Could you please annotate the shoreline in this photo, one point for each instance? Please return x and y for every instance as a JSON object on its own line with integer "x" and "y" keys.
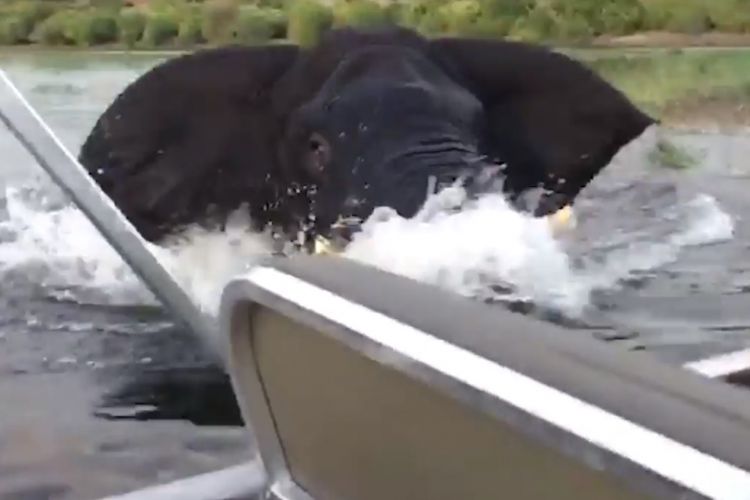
{"x": 113, "y": 50}
{"x": 715, "y": 103}
{"x": 718, "y": 113}
{"x": 643, "y": 41}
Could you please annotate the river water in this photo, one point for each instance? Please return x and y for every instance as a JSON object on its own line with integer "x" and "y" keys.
{"x": 100, "y": 392}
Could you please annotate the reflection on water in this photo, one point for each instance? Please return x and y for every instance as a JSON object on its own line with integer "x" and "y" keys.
{"x": 69, "y": 89}
{"x": 139, "y": 360}
{"x": 202, "y": 396}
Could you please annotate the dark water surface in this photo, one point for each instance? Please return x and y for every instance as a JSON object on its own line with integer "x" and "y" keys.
{"x": 96, "y": 397}
{"x": 100, "y": 393}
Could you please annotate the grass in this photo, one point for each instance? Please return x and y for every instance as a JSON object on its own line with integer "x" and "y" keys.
{"x": 655, "y": 79}
{"x": 658, "y": 79}
{"x": 667, "y": 154}
{"x": 214, "y": 21}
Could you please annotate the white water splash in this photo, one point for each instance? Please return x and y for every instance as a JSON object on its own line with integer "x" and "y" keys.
{"x": 203, "y": 261}
{"x": 473, "y": 250}
{"x": 483, "y": 249}
{"x": 60, "y": 248}
{"x": 700, "y": 221}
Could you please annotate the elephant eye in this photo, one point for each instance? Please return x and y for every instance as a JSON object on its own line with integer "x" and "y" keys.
{"x": 318, "y": 153}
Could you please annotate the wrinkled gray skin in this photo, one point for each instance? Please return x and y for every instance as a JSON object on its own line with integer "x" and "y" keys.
{"x": 391, "y": 119}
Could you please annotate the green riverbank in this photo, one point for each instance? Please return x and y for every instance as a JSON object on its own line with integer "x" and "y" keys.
{"x": 678, "y": 86}
{"x": 189, "y": 23}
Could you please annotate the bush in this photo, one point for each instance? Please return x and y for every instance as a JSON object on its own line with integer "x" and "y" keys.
{"x": 361, "y": 13}
{"x": 667, "y": 154}
{"x": 536, "y": 26}
{"x": 431, "y": 23}
{"x": 271, "y": 4}
{"x": 160, "y": 29}
{"x": 253, "y": 25}
{"x": 308, "y": 20}
{"x": 55, "y": 30}
{"x": 304, "y": 21}
{"x": 29, "y": 14}
{"x": 130, "y": 26}
{"x": 729, "y": 15}
{"x": 573, "y": 28}
{"x": 267, "y": 22}
{"x": 170, "y": 7}
{"x": 422, "y": 16}
{"x": 489, "y": 27}
{"x": 18, "y": 20}
{"x": 409, "y": 14}
{"x": 92, "y": 28}
{"x": 112, "y": 6}
{"x": 682, "y": 16}
{"x": 189, "y": 31}
{"x": 621, "y": 18}
{"x": 460, "y": 16}
{"x": 589, "y": 10}
{"x": 11, "y": 31}
{"x": 278, "y": 20}
{"x": 219, "y": 19}
{"x": 506, "y": 9}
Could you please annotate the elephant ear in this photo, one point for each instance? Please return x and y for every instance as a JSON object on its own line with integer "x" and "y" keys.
{"x": 553, "y": 121}
{"x": 191, "y": 135}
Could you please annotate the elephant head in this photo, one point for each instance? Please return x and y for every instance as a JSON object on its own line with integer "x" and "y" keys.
{"x": 308, "y": 137}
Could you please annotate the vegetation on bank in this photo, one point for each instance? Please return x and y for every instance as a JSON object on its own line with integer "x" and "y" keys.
{"x": 667, "y": 154}
{"x": 658, "y": 80}
{"x": 189, "y": 23}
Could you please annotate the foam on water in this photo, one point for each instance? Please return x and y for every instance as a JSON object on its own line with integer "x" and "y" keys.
{"x": 480, "y": 248}
{"x": 700, "y": 221}
{"x": 59, "y": 248}
{"x": 204, "y": 261}
{"x": 487, "y": 250}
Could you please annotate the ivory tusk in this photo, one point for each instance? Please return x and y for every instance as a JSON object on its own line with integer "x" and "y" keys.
{"x": 558, "y": 221}
{"x": 323, "y": 247}
{"x": 562, "y": 219}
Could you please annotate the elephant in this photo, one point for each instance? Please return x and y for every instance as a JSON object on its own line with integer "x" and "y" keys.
{"x": 308, "y": 137}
